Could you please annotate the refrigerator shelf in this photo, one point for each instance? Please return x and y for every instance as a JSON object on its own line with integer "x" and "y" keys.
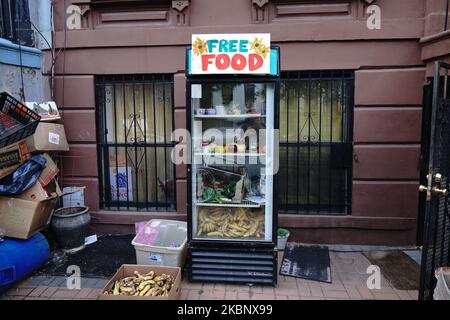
{"x": 230, "y": 116}
{"x": 229, "y": 239}
{"x": 236, "y": 154}
{"x": 244, "y": 204}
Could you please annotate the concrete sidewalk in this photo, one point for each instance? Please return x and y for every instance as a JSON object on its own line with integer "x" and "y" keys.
{"x": 349, "y": 279}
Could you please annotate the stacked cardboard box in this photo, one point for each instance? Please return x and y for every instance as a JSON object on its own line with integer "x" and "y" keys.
{"x": 24, "y": 214}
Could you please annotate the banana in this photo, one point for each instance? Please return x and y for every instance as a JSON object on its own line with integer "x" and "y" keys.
{"x": 145, "y": 290}
{"x": 116, "y": 290}
{"x": 151, "y": 274}
{"x": 236, "y": 227}
{"x": 215, "y": 234}
{"x": 235, "y": 234}
{"x": 202, "y": 214}
{"x": 153, "y": 292}
{"x": 127, "y": 290}
{"x": 252, "y": 229}
{"x": 143, "y": 285}
{"x": 233, "y": 223}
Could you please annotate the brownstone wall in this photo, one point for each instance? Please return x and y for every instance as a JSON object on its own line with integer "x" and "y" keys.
{"x": 389, "y": 75}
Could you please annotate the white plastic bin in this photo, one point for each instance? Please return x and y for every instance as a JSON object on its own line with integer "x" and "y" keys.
{"x": 442, "y": 290}
{"x": 161, "y": 242}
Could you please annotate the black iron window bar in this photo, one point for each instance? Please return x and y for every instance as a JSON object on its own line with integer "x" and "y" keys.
{"x": 316, "y": 133}
{"x": 135, "y": 118}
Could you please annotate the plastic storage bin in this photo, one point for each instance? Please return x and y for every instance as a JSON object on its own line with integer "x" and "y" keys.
{"x": 442, "y": 290}
{"x": 17, "y": 122}
{"x": 161, "y": 242}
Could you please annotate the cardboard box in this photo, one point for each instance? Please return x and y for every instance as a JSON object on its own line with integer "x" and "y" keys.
{"x": 25, "y": 214}
{"x": 49, "y": 137}
{"x": 35, "y": 193}
{"x": 127, "y": 270}
{"x": 46, "y": 184}
{"x": 39, "y": 192}
{"x": 12, "y": 156}
{"x": 29, "y": 212}
{"x": 22, "y": 219}
{"x": 50, "y": 171}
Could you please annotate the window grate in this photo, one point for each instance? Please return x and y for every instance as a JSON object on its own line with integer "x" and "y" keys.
{"x": 135, "y": 118}
{"x": 15, "y": 22}
{"x": 316, "y": 121}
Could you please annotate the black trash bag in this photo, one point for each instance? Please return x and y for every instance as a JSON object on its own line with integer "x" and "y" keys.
{"x": 24, "y": 177}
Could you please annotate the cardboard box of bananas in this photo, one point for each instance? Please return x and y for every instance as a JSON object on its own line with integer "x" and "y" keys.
{"x": 138, "y": 282}
{"x": 219, "y": 222}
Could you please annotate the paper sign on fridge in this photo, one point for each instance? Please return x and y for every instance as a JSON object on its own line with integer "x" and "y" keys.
{"x": 230, "y": 53}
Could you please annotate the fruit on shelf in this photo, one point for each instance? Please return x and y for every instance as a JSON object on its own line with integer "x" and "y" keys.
{"x": 212, "y": 148}
{"x": 241, "y": 148}
{"x": 230, "y": 223}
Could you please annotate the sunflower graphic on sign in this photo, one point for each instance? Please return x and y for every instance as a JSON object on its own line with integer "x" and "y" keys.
{"x": 200, "y": 46}
{"x": 263, "y": 50}
{"x": 257, "y": 44}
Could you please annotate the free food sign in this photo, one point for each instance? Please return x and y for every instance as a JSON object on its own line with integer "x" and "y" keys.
{"x": 230, "y": 54}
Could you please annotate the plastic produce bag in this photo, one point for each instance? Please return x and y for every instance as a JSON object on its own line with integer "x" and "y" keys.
{"x": 24, "y": 177}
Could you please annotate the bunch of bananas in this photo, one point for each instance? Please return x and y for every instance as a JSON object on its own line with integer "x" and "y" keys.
{"x": 147, "y": 285}
{"x": 230, "y": 223}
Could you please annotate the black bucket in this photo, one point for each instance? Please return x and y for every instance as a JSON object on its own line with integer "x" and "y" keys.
{"x": 70, "y": 225}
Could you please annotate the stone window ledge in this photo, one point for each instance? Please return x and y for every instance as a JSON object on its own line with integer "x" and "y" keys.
{"x": 11, "y": 53}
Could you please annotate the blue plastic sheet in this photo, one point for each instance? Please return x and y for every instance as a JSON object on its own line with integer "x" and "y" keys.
{"x": 24, "y": 177}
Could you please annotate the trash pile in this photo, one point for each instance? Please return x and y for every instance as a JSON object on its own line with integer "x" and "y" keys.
{"x": 29, "y": 190}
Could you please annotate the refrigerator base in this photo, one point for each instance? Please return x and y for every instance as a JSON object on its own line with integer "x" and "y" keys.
{"x": 233, "y": 265}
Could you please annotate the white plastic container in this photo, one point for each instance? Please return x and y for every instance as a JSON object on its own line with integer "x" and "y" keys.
{"x": 442, "y": 290}
{"x": 282, "y": 241}
{"x": 162, "y": 242}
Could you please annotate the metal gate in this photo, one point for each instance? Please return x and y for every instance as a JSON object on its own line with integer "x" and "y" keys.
{"x": 436, "y": 237}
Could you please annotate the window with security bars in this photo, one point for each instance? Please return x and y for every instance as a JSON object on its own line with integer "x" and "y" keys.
{"x": 135, "y": 122}
{"x": 15, "y": 24}
{"x": 316, "y": 120}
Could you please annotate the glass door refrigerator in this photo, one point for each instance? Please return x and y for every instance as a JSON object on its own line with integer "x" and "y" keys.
{"x": 232, "y": 214}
